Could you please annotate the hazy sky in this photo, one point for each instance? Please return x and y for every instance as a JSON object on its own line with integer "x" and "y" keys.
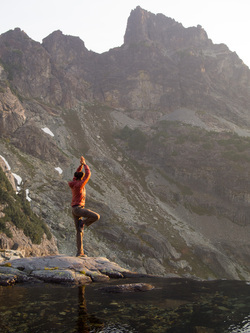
{"x": 101, "y": 24}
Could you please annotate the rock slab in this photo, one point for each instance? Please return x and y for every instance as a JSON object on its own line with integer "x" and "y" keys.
{"x": 61, "y": 269}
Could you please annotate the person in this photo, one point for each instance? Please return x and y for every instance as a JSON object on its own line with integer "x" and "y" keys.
{"x": 82, "y": 216}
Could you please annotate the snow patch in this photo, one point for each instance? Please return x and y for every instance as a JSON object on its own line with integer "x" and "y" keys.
{"x": 59, "y": 170}
{"x": 27, "y": 195}
{"x": 7, "y": 164}
{"x": 18, "y": 180}
{"x": 48, "y": 131}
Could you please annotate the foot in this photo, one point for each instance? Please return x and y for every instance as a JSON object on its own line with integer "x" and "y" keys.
{"x": 81, "y": 255}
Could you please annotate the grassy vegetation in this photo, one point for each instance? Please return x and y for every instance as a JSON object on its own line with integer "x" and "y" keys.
{"x": 230, "y": 146}
{"x": 235, "y": 157}
{"x": 235, "y": 142}
{"x": 135, "y": 139}
{"x": 235, "y": 148}
{"x": 18, "y": 211}
{"x": 184, "y": 189}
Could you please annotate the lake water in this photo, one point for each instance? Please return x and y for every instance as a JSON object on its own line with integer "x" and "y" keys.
{"x": 174, "y": 305}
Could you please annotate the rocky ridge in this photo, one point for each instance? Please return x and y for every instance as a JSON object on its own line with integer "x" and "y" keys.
{"x": 163, "y": 122}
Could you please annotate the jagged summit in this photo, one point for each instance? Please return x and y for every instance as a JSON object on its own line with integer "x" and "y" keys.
{"x": 58, "y": 39}
{"x": 145, "y": 26}
{"x": 64, "y": 49}
{"x": 16, "y": 33}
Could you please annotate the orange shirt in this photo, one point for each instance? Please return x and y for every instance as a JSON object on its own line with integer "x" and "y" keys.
{"x": 78, "y": 187}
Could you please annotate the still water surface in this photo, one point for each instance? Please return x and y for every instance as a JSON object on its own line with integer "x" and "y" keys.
{"x": 175, "y": 305}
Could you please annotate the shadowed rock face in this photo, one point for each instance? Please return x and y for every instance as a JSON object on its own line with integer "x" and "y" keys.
{"x": 163, "y": 122}
{"x": 27, "y": 63}
{"x": 11, "y": 110}
{"x": 36, "y": 143}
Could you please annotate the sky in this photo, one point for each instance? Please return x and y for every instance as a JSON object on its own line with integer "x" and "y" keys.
{"x": 101, "y": 24}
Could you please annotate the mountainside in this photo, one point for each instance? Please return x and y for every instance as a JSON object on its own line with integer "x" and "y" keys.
{"x": 163, "y": 122}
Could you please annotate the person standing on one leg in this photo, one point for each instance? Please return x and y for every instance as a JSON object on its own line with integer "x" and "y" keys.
{"x": 79, "y": 211}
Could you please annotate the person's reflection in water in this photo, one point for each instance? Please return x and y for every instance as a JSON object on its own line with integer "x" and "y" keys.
{"x": 85, "y": 321}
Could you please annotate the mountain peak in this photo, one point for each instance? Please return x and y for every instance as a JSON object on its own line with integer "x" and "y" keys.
{"x": 146, "y": 26}
{"x": 16, "y": 36}
{"x": 64, "y": 48}
{"x": 58, "y": 38}
{"x": 143, "y": 25}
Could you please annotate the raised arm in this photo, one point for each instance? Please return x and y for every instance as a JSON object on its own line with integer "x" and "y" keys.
{"x": 82, "y": 160}
{"x": 82, "y": 163}
{"x": 87, "y": 171}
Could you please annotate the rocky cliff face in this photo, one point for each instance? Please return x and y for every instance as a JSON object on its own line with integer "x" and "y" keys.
{"x": 163, "y": 122}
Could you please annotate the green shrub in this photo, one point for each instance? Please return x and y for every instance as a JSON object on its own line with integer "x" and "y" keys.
{"x": 18, "y": 211}
{"x": 4, "y": 229}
